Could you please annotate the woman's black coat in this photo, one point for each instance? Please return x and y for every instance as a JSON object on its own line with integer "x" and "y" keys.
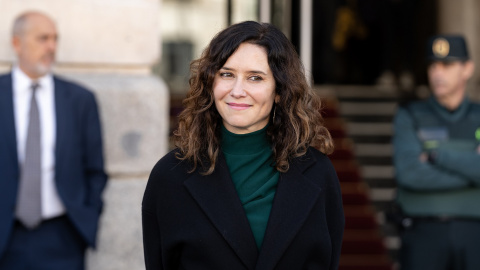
{"x": 192, "y": 221}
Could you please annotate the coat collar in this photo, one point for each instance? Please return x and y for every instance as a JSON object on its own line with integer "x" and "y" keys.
{"x": 294, "y": 199}
{"x": 218, "y": 198}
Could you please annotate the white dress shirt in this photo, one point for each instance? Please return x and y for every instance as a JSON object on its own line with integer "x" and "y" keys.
{"x": 52, "y": 206}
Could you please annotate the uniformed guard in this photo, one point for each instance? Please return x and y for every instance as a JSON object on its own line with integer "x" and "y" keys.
{"x": 437, "y": 165}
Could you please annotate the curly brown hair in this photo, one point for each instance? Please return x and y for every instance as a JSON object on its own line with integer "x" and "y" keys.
{"x": 295, "y": 120}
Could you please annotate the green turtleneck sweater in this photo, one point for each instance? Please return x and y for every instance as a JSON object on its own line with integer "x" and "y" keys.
{"x": 249, "y": 158}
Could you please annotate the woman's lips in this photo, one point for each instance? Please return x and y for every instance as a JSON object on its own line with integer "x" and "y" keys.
{"x": 239, "y": 106}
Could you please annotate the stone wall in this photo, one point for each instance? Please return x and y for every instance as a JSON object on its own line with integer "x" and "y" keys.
{"x": 461, "y": 17}
{"x": 109, "y": 46}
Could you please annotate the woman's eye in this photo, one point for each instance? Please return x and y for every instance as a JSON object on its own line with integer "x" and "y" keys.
{"x": 256, "y": 78}
{"x": 226, "y": 74}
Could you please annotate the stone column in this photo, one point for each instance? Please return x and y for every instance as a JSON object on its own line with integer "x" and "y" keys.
{"x": 306, "y": 37}
{"x": 109, "y": 46}
{"x": 461, "y": 16}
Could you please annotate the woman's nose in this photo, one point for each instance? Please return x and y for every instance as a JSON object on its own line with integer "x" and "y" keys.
{"x": 238, "y": 89}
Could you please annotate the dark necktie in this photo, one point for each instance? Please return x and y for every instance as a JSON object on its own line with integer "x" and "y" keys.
{"x": 29, "y": 204}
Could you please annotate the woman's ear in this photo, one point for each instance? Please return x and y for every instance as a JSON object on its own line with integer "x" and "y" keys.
{"x": 277, "y": 98}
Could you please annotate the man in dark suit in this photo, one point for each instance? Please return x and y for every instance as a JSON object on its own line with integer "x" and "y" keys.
{"x": 51, "y": 161}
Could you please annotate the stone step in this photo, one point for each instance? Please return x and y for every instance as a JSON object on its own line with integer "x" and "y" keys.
{"x": 358, "y": 118}
{"x": 356, "y": 91}
{"x": 392, "y": 242}
{"x": 373, "y": 149}
{"x": 366, "y": 115}
{"x": 368, "y": 108}
{"x": 380, "y": 160}
{"x": 377, "y": 171}
{"x": 369, "y": 129}
{"x": 364, "y": 262}
{"x": 382, "y": 139}
{"x": 382, "y": 194}
{"x": 380, "y": 182}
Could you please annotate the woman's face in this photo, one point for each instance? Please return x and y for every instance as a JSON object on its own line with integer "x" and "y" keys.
{"x": 244, "y": 90}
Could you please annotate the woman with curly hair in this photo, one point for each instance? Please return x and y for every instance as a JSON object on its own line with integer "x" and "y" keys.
{"x": 249, "y": 185}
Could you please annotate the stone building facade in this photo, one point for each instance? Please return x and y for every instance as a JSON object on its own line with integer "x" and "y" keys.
{"x": 462, "y": 17}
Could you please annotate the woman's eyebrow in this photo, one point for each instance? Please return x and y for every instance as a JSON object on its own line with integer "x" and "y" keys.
{"x": 249, "y": 71}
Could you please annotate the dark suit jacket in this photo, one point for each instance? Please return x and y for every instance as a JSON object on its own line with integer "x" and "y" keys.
{"x": 192, "y": 221}
{"x": 79, "y": 173}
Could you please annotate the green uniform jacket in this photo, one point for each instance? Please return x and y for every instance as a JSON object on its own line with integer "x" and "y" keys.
{"x": 450, "y": 186}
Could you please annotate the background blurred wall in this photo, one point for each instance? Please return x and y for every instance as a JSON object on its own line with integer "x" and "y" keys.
{"x": 109, "y": 46}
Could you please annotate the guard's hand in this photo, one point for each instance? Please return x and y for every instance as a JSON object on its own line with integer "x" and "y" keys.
{"x": 423, "y": 157}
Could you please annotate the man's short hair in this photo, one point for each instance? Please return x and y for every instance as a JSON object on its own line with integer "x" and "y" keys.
{"x": 19, "y": 24}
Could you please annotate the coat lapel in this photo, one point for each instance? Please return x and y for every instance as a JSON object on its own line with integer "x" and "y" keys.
{"x": 218, "y": 198}
{"x": 7, "y": 118}
{"x": 294, "y": 199}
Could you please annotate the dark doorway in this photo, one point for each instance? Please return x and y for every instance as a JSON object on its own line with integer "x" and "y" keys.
{"x": 358, "y": 41}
